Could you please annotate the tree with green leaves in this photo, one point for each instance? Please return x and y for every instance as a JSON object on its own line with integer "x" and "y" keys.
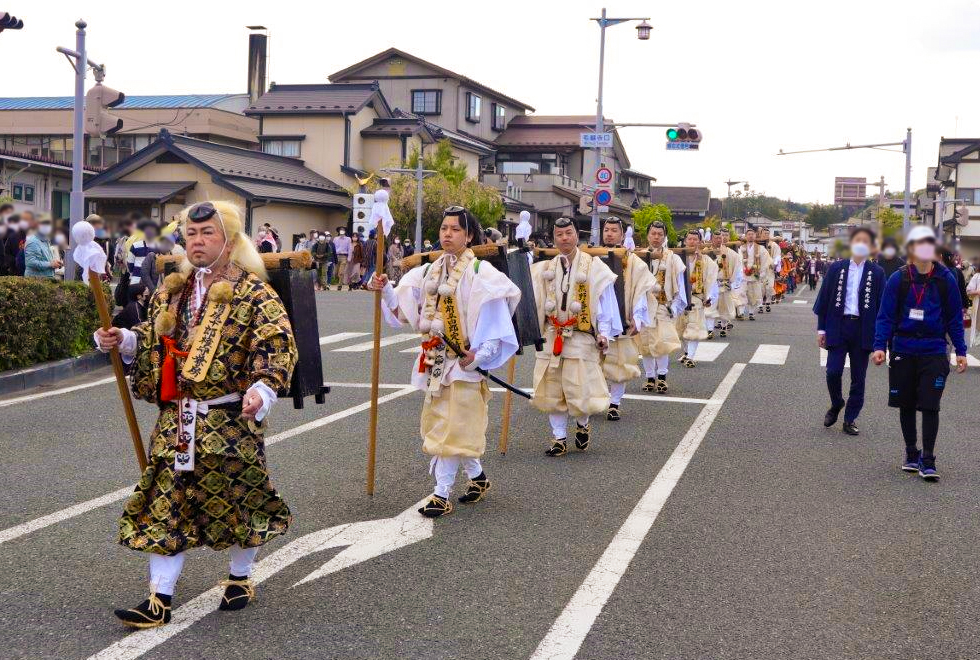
{"x": 449, "y": 187}
{"x": 644, "y": 216}
{"x": 890, "y": 220}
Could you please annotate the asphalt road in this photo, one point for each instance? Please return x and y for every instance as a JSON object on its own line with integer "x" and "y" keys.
{"x": 758, "y": 532}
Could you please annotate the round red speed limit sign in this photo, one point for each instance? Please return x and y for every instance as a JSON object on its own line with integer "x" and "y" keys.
{"x": 603, "y": 175}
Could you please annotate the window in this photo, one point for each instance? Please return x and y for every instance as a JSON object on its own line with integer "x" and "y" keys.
{"x": 281, "y": 147}
{"x": 23, "y": 193}
{"x": 19, "y": 192}
{"x": 473, "y": 105}
{"x": 426, "y": 101}
{"x": 499, "y": 117}
{"x": 972, "y": 195}
{"x": 28, "y": 194}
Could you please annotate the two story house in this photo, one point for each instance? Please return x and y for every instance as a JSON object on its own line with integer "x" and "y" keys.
{"x": 962, "y": 155}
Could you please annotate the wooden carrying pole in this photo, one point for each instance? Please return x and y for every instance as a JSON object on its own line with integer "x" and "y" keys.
{"x": 95, "y": 283}
{"x": 375, "y": 362}
{"x": 508, "y": 400}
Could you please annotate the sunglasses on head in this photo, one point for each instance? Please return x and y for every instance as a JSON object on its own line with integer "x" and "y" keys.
{"x": 201, "y": 212}
{"x": 453, "y": 210}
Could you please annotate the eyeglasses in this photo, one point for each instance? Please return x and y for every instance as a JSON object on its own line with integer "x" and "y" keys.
{"x": 201, "y": 212}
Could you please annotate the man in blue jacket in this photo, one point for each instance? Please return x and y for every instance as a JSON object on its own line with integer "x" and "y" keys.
{"x": 846, "y": 308}
{"x": 920, "y": 309}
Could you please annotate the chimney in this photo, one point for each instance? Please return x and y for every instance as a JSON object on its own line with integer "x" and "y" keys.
{"x": 258, "y": 44}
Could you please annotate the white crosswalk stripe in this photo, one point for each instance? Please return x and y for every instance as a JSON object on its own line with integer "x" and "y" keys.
{"x": 800, "y": 302}
{"x": 369, "y": 345}
{"x": 770, "y": 354}
{"x": 823, "y": 359}
{"x": 708, "y": 351}
{"x": 340, "y": 336}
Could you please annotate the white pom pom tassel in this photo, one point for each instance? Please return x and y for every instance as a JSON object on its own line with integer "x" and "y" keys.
{"x": 438, "y": 326}
{"x": 431, "y": 287}
{"x": 425, "y": 325}
{"x": 549, "y": 306}
{"x": 580, "y": 278}
{"x": 575, "y": 307}
{"x": 548, "y": 275}
{"x": 445, "y": 290}
{"x": 656, "y": 288}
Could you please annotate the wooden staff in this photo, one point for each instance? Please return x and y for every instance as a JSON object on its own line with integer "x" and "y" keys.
{"x": 376, "y": 362}
{"x": 508, "y": 399}
{"x": 95, "y": 283}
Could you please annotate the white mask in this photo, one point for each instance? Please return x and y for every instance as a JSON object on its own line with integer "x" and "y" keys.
{"x": 60, "y": 240}
{"x": 924, "y": 251}
{"x": 342, "y": 232}
{"x": 261, "y": 234}
{"x": 888, "y": 253}
{"x": 44, "y": 230}
{"x": 23, "y": 224}
{"x": 322, "y": 239}
{"x": 860, "y": 250}
{"x": 3, "y": 230}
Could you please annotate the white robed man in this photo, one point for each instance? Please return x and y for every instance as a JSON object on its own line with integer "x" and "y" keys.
{"x": 578, "y": 315}
{"x": 666, "y": 299}
{"x": 756, "y": 262}
{"x": 730, "y": 281}
{"x": 621, "y": 362}
{"x": 701, "y": 282}
{"x": 470, "y": 303}
{"x": 775, "y": 261}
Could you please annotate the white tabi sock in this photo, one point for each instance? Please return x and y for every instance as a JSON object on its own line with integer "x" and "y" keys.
{"x": 663, "y": 362}
{"x": 164, "y": 572}
{"x": 709, "y": 324}
{"x": 444, "y": 469}
{"x": 242, "y": 560}
{"x": 650, "y": 366}
{"x": 616, "y": 391}
{"x": 559, "y": 425}
{"x": 692, "y": 348}
{"x": 582, "y": 421}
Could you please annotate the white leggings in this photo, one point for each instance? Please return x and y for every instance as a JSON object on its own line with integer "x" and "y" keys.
{"x": 692, "y": 348}
{"x": 444, "y": 468}
{"x": 559, "y": 424}
{"x": 164, "y": 571}
{"x": 656, "y": 366}
{"x": 616, "y": 391}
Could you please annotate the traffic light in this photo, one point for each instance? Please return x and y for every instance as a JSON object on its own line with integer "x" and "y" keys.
{"x": 98, "y": 122}
{"x": 9, "y": 22}
{"x": 683, "y": 132}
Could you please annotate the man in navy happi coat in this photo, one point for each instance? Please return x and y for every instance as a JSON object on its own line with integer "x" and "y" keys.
{"x": 846, "y": 308}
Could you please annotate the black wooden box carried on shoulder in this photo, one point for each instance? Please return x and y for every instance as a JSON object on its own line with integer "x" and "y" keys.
{"x": 295, "y": 288}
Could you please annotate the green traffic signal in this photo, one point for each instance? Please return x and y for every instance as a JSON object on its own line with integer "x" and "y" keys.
{"x": 671, "y": 134}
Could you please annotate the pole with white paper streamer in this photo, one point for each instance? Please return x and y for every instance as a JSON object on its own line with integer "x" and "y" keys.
{"x": 92, "y": 260}
{"x": 383, "y": 222}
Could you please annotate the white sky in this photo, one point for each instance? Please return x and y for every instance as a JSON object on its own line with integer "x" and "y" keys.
{"x": 755, "y": 75}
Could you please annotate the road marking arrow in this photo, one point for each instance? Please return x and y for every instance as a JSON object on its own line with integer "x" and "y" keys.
{"x": 366, "y": 540}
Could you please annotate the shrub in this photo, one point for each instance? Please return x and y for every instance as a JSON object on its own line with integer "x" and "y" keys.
{"x": 43, "y": 320}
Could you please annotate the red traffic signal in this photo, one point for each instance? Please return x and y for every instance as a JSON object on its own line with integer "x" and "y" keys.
{"x": 9, "y": 22}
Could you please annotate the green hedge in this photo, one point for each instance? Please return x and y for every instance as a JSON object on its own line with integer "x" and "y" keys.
{"x": 42, "y": 320}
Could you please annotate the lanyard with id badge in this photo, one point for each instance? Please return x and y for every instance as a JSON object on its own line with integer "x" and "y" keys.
{"x": 917, "y": 313}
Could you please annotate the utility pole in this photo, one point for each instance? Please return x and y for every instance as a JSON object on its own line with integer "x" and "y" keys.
{"x": 77, "y": 200}
{"x": 420, "y": 175}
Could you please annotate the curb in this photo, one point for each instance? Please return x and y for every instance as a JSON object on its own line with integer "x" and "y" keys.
{"x": 48, "y": 373}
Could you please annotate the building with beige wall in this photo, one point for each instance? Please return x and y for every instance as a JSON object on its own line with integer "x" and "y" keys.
{"x": 42, "y": 126}
{"x": 175, "y": 171}
{"x": 962, "y": 155}
{"x": 445, "y": 98}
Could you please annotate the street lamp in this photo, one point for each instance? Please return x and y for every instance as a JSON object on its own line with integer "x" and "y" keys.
{"x": 643, "y": 34}
{"x": 731, "y": 183}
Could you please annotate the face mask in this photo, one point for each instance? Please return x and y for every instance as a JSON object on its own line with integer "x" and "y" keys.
{"x": 888, "y": 253}
{"x": 44, "y": 230}
{"x": 3, "y": 230}
{"x": 860, "y": 250}
{"x": 322, "y": 239}
{"x": 261, "y": 234}
{"x": 924, "y": 251}
{"x": 100, "y": 233}
{"x": 342, "y": 232}
{"x": 60, "y": 240}
{"x": 23, "y": 225}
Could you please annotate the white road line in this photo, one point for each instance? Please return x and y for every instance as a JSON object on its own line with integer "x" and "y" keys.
{"x": 369, "y": 345}
{"x": 970, "y": 360}
{"x": 800, "y": 302}
{"x": 770, "y": 354}
{"x": 109, "y": 498}
{"x": 340, "y": 336}
{"x": 823, "y": 359}
{"x": 572, "y": 626}
{"x": 709, "y": 351}
{"x": 63, "y": 390}
{"x": 413, "y": 349}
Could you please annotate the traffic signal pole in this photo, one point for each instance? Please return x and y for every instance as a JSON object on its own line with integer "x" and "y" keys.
{"x": 77, "y": 200}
